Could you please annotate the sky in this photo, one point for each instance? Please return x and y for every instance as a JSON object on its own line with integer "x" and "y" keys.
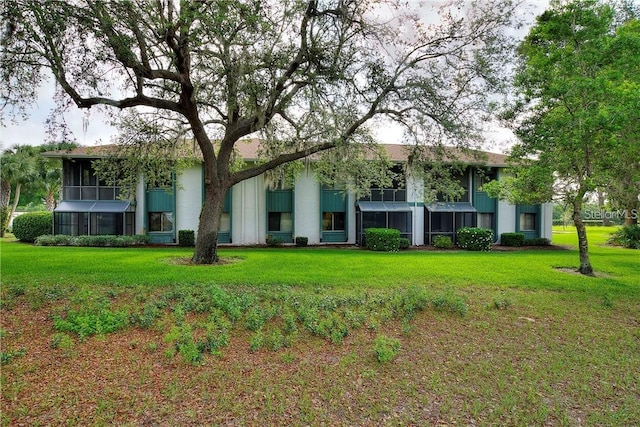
{"x": 91, "y": 128}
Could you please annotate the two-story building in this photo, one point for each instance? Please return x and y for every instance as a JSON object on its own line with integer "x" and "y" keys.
{"x": 252, "y": 211}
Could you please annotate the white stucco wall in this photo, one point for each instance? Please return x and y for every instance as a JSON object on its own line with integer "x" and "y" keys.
{"x": 506, "y": 218}
{"x": 248, "y": 212}
{"x": 415, "y": 198}
{"x": 188, "y": 199}
{"x": 307, "y": 207}
{"x": 546, "y": 222}
{"x": 140, "y": 207}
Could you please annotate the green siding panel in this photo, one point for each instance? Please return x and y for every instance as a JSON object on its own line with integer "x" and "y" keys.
{"x": 159, "y": 237}
{"x": 226, "y": 207}
{"x": 159, "y": 200}
{"x": 279, "y": 201}
{"x": 484, "y": 203}
{"x": 334, "y": 201}
{"x": 334, "y": 236}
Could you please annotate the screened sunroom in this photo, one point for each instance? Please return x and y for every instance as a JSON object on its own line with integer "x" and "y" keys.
{"x": 445, "y": 219}
{"x": 396, "y": 215}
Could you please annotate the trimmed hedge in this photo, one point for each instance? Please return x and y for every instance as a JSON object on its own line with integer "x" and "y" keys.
{"x": 475, "y": 239}
{"x": 404, "y": 243}
{"x": 186, "y": 238}
{"x": 538, "y": 241}
{"x": 27, "y": 227}
{"x": 442, "y": 242}
{"x": 512, "y": 239}
{"x": 274, "y": 241}
{"x": 382, "y": 239}
{"x": 95, "y": 241}
{"x": 302, "y": 241}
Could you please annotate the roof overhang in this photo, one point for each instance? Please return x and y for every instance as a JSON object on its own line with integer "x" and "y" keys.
{"x": 103, "y": 206}
{"x": 451, "y": 207}
{"x": 366, "y": 206}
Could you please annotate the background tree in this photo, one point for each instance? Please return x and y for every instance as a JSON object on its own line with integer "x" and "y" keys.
{"x": 579, "y": 95}
{"x": 305, "y": 76}
{"x": 17, "y": 168}
{"x": 623, "y": 186}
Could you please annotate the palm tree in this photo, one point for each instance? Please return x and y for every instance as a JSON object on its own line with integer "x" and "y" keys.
{"x": 17, "y": 168}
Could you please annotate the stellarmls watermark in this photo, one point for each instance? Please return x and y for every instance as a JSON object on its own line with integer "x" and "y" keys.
{"x": 619, "y": 214}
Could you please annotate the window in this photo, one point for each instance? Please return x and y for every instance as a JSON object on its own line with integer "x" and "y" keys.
{"x": 485, "y": 220}
{"x": 225, "y": 223}
{"x": 442, "y": 222}
{"x": 333, "y": 221}
{"x": 527, "y": 221}
{"x": 160, "y": 221}
{"x": 281, "y": 221}
{"x": 484, "y": 177}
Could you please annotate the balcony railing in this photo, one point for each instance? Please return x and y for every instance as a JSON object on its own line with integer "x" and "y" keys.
{"x": 79, "y": 192}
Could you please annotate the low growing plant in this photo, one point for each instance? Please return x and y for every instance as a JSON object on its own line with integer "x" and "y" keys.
{"x": 385, "y": 348}
{"x": 274, "y": 241}
{"x": 442, "y": 242}
{"x": 627, "y": 236}
{"x": 302, "y": 241}
{"x": 87, "y": 323}
{"x": 404, "y": 243}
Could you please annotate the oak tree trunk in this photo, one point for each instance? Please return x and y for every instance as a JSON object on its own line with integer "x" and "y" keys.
{"x": 206, "y": 250}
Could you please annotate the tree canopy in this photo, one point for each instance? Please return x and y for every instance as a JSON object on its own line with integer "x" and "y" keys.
{"x": 578, "y": 122}
{"x": 305, "y": 76}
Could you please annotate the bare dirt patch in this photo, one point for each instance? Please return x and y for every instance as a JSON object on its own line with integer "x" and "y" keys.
{"x": 573, "y": 270}
{"x": 187, "y": 261}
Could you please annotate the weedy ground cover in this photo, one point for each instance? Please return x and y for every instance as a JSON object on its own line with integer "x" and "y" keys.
{"x": 320, "y": 336}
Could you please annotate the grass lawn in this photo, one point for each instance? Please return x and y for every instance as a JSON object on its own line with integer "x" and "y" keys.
{"x": 282, "y": 336}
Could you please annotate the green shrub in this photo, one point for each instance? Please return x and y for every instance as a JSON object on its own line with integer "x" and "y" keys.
{"x": 27, "y": 227}
{"x": 512, "y": 239}
{"x": 475, "y": 239}
{"x": 537, "y": 241}
{"x": 8, "y": 356}
{"x": 386, "y": 348}
{"x": 86, "y": 323}
{"x": 96, "y": 241}
{"x": 186, "y": 238}
{"x": 302, "y": 241}
{"x": 382, "y": 239}
{"x": 274, "y": 241}
{"x": 627, "y": 236}
{"x": 442, "y": 242}
{"x": 404, "y": 243}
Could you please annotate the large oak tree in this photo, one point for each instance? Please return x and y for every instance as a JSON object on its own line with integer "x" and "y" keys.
{"x": 304, "y": 76}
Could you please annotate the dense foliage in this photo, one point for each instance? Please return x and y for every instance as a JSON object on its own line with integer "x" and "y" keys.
{"x": 382, "y": 239}
{"x": 627, "y": 236}
{"x": 475, "y": 239}
{"x": 577, "y": 114}
{"x": 442, "y": 242}
{"x": 186, "y": 237}
{"x": 512, "y": 239}
{"x": 27, "y": 227}
{"x": 96, "y": 241}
